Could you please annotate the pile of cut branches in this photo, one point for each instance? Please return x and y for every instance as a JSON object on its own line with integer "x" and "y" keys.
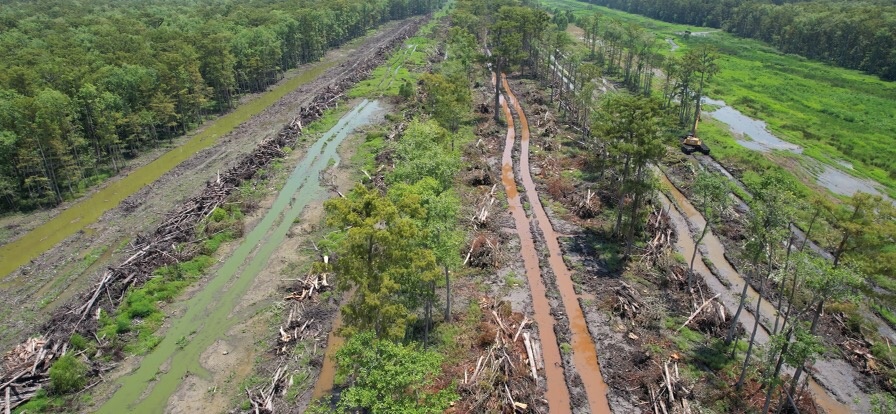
{"x": 164, "y": 245}
{"x": 504, "y": 377}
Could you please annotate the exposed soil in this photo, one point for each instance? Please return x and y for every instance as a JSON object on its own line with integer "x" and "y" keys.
{"x": 832, "y": 370}
{"x": 47, "y": 281}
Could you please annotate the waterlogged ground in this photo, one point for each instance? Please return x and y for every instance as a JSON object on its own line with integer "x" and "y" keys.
{"x": 208, "y": 315}
{"x": 754, "y": 135}
{"x": 36, "y": 289}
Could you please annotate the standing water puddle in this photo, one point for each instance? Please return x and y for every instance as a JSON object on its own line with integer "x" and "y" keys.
{"x": 584, "y": 352}
{"x": 729, "y": 295}
{"x": 754, "y": 134}
{"x": 208, "y": 313}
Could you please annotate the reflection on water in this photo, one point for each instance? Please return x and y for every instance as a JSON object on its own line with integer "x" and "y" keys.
{"x": 753, "y": 134}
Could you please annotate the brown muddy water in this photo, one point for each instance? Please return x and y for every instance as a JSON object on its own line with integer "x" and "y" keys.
{"x": 715, "y": 252}
{"x": 557, "y": 394}
{"x": 327, "y": 377}
{"x": 584, "y": 352}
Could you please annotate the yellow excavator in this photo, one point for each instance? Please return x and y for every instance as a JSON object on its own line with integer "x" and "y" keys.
{"x": 691, "y": 143}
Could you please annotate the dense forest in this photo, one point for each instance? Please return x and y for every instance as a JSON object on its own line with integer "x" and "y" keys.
{"x": 853, "y": 34}
{"x": 87, "y": 85}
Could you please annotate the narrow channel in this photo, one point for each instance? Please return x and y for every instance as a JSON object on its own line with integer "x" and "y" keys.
{"x": 728, "y": 295}
{"x": 88, "y": 210}
{"x": 208, "y": 313}
{"x": 584, "y": 352}
{"x": 557, "y": 394}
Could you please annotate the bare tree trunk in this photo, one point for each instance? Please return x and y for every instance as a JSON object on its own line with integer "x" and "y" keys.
{"x": 740, "y": 308}
{"x": 447, "y": 296}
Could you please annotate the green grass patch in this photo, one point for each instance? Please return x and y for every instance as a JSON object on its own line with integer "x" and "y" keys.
{"x": 834, "y": 113}
{"x": 387, "y": 79}
{"x": 134, "y": 323}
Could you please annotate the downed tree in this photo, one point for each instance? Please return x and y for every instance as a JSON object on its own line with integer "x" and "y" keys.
{"x": 504, "y": 376}
{"x": 164, "y": 245}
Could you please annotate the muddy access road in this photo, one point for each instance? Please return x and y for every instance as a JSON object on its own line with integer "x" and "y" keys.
{"x": 33, "y": 291}
{"x": 833, "y": 386}
{"x": 584, "y": 361}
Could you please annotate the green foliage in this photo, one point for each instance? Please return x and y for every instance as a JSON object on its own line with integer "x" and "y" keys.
{"x": 78, "y": 342}
{"x": 42, "y": 402}
{"x": 883, "y": 403}
{"x": 423, "y": 151}
{"x": 448, "y": 99}
{"x": 85, "y": 87}
{"x": 385, "y": 377}
{"x": 68, "y": 374}
{"x": 382, "y": 258}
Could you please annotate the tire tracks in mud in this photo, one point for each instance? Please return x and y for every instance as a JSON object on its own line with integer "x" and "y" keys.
{"x": 831, "y": 381}
{"x": 585, "y": 367}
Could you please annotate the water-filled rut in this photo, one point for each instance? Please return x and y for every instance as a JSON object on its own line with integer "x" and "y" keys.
{"x": 831, "y": 369}
{"x": 208, "y": 313}
{"x": 557, "y": 394}
{"x": 583, "y": 350}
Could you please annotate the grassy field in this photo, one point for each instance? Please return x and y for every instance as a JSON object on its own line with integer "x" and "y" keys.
{"x": 834, "y": 113}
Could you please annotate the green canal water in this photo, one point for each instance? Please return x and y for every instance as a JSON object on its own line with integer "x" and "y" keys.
{"x": 208, "y": 313}
{"x": 87, "y": 211}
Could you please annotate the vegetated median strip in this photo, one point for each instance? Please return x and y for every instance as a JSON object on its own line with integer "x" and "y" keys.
{"x": 682, "y": 214}
{"x": 584, "y": 351}
{"x": 557, "y": 394}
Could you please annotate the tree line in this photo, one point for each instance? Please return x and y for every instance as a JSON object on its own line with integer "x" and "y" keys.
{"x": 86, "y": 86}
{"x": 852, "y": 34}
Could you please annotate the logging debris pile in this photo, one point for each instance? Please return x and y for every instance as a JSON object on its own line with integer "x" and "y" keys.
{"x": 480, "y": 218}
{"x": 484, "y": 252}
{"x": 659, "y": 226}
{"x": 162, "y": 247}
{"x": 588, "y": 205}
{"x": 504, "y": 377}
{"x": 309, "y": 287}
{"x": 478, "y": 175}
{"x": 670, "y": 395}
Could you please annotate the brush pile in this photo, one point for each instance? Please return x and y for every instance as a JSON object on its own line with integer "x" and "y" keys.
{"x": 165, "y": 245}
{"x": 504, "y": 377}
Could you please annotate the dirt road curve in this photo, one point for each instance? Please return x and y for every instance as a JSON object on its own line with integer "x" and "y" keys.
{"x": 56, "y": 275}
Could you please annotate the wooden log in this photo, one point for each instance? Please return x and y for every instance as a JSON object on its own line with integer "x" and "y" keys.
{"x": 530, "y": 355}
{"x": 669, "y": 382}
{"x": 696, "y": 312}
{"x": 522, "y": 324}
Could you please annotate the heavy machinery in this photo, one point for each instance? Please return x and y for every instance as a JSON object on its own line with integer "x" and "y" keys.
{"x": 692, "y": 143}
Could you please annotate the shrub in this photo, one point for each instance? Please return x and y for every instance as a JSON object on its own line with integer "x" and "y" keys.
{"x": 78, "y": 342}
{"x": 68, "y": 374}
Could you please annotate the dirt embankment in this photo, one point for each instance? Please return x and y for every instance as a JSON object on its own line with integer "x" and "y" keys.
{"x": 61, "y": 272}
